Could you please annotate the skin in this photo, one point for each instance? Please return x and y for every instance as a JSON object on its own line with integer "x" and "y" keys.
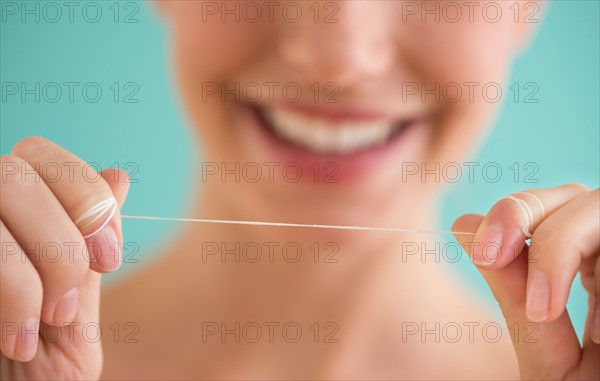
{"x": 371, "y": 292}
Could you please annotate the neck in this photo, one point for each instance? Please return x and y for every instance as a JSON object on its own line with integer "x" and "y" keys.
{"x": 261, "y": 268}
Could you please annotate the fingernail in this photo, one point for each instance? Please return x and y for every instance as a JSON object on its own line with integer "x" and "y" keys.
{"x": 65, "y": 310}
{"x": 538, "y": 296}
{"x": 26, "y": 344}
{"x": 489, "y": 244}
{"x": 596, "y": 321}
{"x": 108, "y": 250}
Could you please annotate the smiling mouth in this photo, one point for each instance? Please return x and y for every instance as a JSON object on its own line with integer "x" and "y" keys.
{"x": 331, "y": 136}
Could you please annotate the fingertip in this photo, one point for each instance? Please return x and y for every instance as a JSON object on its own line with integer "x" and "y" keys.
{"x": 499, "y": 239}
{"x": 467, "y": 223}
{"x": 455, "y": 227}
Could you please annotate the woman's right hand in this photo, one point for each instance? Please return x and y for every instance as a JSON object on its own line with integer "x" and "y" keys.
{"x": 50, "y": 273}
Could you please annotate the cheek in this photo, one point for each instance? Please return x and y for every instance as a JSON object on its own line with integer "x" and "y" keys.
{"x": 473, "y": 58}
{"x": 462, "y": 52}
{"x": 208, "y": 54}
{"x": 215, "y": 50}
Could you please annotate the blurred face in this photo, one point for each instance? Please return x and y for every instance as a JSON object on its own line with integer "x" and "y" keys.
{"x": 329, "y": 112}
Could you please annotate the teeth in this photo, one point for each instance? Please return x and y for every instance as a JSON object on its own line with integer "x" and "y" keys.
{"x": 327, "y": 136}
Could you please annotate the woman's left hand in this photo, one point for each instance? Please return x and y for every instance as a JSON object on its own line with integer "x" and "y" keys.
{"x": 532, "y": 283}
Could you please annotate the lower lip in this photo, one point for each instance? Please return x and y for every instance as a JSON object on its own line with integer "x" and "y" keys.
{"x": 347, "y": 167}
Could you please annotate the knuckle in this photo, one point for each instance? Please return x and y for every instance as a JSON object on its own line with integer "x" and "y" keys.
{"x": 577, "y": 187}
{"x": 555, "y": 237}
{"x": 28, "y": 280}
{"x": 66, "y": 274}
{"x": 10, "y": 250}
{"x": 15, "y": 170}
{"x": 503, "y": 203}
{"x": 504, "y": 208}
{"x": 26, "y": 147}
{"x": 73, "y": 261}
{"x": 7, "y": 160}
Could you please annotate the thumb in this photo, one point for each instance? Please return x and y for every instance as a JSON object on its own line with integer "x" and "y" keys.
{"x": 548, "y": 350}
{"x": 105, "y": 247}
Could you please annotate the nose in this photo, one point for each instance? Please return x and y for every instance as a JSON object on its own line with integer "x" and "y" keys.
{"x": 342, "y": 41}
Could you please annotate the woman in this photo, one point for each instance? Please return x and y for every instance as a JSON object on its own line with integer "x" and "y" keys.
{"x": 308, "y": 113}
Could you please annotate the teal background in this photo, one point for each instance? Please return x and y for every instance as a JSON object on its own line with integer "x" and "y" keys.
{"x": 560, "y": 133}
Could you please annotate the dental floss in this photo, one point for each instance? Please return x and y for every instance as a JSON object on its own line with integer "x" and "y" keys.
{"x": 97, "y": 211}
{"x": 526, "y": 212}
{"x": 286, "y": 224}
{"x": 110, "y": 205}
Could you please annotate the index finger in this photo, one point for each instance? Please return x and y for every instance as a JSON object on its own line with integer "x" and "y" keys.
{"x": 84, "y": 194}
{"x": 501, "y": 236}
